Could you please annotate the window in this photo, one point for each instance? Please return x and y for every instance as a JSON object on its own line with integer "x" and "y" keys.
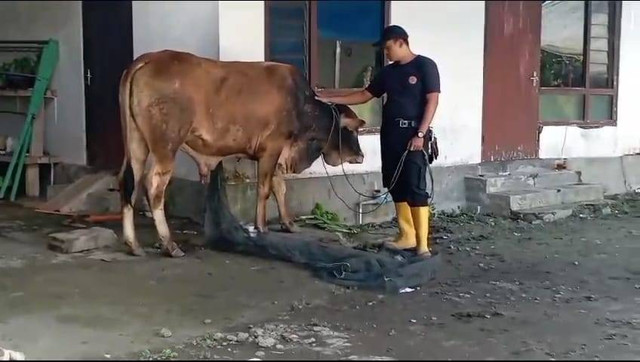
{"x": 578, "y": 62}
{"x": 287, "y": 33}
{"x": 330, "y": 42}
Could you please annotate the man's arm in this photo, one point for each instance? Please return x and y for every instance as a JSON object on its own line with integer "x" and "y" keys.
{"x": 432, "y": 91}
{"x": 357, "y": 97}
{"x": 429, "y": 111}
{"x": 375, "y": 89}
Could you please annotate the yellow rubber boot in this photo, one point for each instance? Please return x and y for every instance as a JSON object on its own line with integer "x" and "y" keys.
{"x": 420, "y": 216}
{"x": 406, "y": 238}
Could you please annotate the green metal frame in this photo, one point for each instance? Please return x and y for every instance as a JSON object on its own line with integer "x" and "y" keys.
{"x": 48, "y": 62}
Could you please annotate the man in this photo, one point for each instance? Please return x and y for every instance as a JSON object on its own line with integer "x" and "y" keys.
{"x": 412, "y": 85}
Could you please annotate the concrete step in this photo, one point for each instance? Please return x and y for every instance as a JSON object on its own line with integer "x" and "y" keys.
{"x": 55, "y": 189}
{"x": 73, "y": 197}
{"x": 518, "y": 180}
{"x": 558, "y": 212}
{"x": 505, "y": 202}
{"x": 102, "y": 202}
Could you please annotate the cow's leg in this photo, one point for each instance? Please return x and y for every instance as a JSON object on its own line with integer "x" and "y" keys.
{"x": 157, "y": 180}
{"x": 130, "y": 181}
{"x": 266, "y": 168}
{"x": 279, "y": 189}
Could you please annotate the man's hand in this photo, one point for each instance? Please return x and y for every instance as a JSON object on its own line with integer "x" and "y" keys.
{"x": 352, "y": 98}
{"x": 416, "y": 144}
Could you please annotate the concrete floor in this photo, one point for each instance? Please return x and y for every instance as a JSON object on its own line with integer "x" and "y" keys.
{"x": 508, "y": 290}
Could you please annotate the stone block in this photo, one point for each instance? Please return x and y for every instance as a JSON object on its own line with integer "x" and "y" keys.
{"x": 606, "y": 171}
{"x": 102, "y": 201}
{"x": 579, "y": 193}
{"x": 631, "y": 170}
{"x": 507, "y": 201}
{"x": 546, "y": 214}
{"x": 556, "y": 178}
{"x": 82, "y": 240}
{"x": 496, "y": 183}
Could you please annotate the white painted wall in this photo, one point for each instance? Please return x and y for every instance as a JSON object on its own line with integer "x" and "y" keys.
{"x": 562, "y": 141}
{"x": 242, "y": 36}
{"x": 458, "y": 121}
{"x": 62, "y": 20}
{"x": 452, "y": 34}
{"x": 628, "y": 105}
{"x": 190, "y": 26}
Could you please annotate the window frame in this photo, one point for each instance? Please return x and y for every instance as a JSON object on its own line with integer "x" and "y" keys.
{"x": 615, "y": 19}
{"x": 313, "y": 61}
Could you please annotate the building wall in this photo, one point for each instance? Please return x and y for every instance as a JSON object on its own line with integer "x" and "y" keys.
{"x": 242, "y": 30}
{"x": 211, "y": 28}
{"x": 62, "y": 20}
{"x": 452, "y": 34}
{"x": 572, "y": 142}
{"x": 190, "y": 26}
{"x": 458, "y": 121}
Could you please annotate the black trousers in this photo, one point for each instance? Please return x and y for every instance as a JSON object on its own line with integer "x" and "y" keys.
{"x": 411, "y": 184}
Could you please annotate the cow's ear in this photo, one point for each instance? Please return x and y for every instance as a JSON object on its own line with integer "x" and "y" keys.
{"x": 351, "y": 123}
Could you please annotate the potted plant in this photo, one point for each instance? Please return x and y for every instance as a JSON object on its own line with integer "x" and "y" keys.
{"x": 4, "y": 67}
{"x": 19, "y": 73}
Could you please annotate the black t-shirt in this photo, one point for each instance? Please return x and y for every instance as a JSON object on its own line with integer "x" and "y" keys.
{"x": 406, "y": 86}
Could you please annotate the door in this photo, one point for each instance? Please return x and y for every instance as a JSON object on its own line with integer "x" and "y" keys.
{"x": 511, "y": 80}
{"x": 108, "y": 50}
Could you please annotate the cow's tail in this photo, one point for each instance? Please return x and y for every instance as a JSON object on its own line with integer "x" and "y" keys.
{"x": 127, "y": 121}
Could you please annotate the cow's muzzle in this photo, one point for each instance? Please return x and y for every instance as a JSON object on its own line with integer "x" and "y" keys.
{"x": 356, "y": 159}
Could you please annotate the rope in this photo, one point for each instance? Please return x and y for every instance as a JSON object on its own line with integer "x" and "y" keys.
{"x": 394, "y": 179}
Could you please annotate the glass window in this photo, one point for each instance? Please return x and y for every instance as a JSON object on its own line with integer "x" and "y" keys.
{"x": 577, "y": 61}
{"x": 346, "y": 30}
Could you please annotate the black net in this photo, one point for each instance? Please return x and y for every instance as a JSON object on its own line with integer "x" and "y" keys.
{"x": 386, "y": 270}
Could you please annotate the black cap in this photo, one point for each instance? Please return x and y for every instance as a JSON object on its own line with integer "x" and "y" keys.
{"x": 391, "y": 32}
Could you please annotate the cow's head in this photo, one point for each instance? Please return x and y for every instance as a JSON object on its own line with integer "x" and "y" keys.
{"x": 343, "y": 140}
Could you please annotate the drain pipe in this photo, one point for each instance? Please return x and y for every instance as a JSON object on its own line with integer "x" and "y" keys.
{"x": 381, "y": 199}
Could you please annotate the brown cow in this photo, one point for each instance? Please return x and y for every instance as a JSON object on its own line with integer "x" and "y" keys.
{"x": 211, "y": 109}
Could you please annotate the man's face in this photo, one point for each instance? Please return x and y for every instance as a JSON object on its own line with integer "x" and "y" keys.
{"x": 392, "y": 49}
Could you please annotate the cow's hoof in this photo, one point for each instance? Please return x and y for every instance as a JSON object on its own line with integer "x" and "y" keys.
{"x": 290, "y": 227}
{"x": 138, "y": 252}
{"x": 174, "y": 251}
{"x": 262, "y": 230}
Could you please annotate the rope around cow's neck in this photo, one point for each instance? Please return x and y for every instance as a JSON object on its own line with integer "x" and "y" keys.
{"x": 394, "y": 179}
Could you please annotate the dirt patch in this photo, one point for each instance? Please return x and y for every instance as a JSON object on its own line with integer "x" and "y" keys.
{"x": 508, "y": 289}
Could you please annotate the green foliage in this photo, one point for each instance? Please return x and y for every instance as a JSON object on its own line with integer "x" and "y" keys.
{"x": 560, "y": 71}
{"x": 328, "y": 220}
{"x": 24, "y": 65}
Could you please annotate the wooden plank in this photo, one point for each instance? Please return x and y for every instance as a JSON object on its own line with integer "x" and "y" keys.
{"x": 32, "y": 173}
{"x": 25, "y": 93}
{"x": 33, "y": 160}
{"x": 32, "y": 179}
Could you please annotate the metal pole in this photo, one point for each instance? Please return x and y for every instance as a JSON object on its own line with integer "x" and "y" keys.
{"x": 336, "y": 76}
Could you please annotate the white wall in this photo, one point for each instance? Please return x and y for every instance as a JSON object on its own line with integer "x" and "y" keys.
{"x": 190, "y": 26}
{"x": 242, "y": 36}
{"x": 458, "y": 121}
{"x": 607, "y": 141}
{"x": 62, "y": 20}
{"x": 452, "y": 34}
{"x": 628, "y": 105}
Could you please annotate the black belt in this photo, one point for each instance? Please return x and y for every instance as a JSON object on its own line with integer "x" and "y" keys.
{"x": 407, "y": 123}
